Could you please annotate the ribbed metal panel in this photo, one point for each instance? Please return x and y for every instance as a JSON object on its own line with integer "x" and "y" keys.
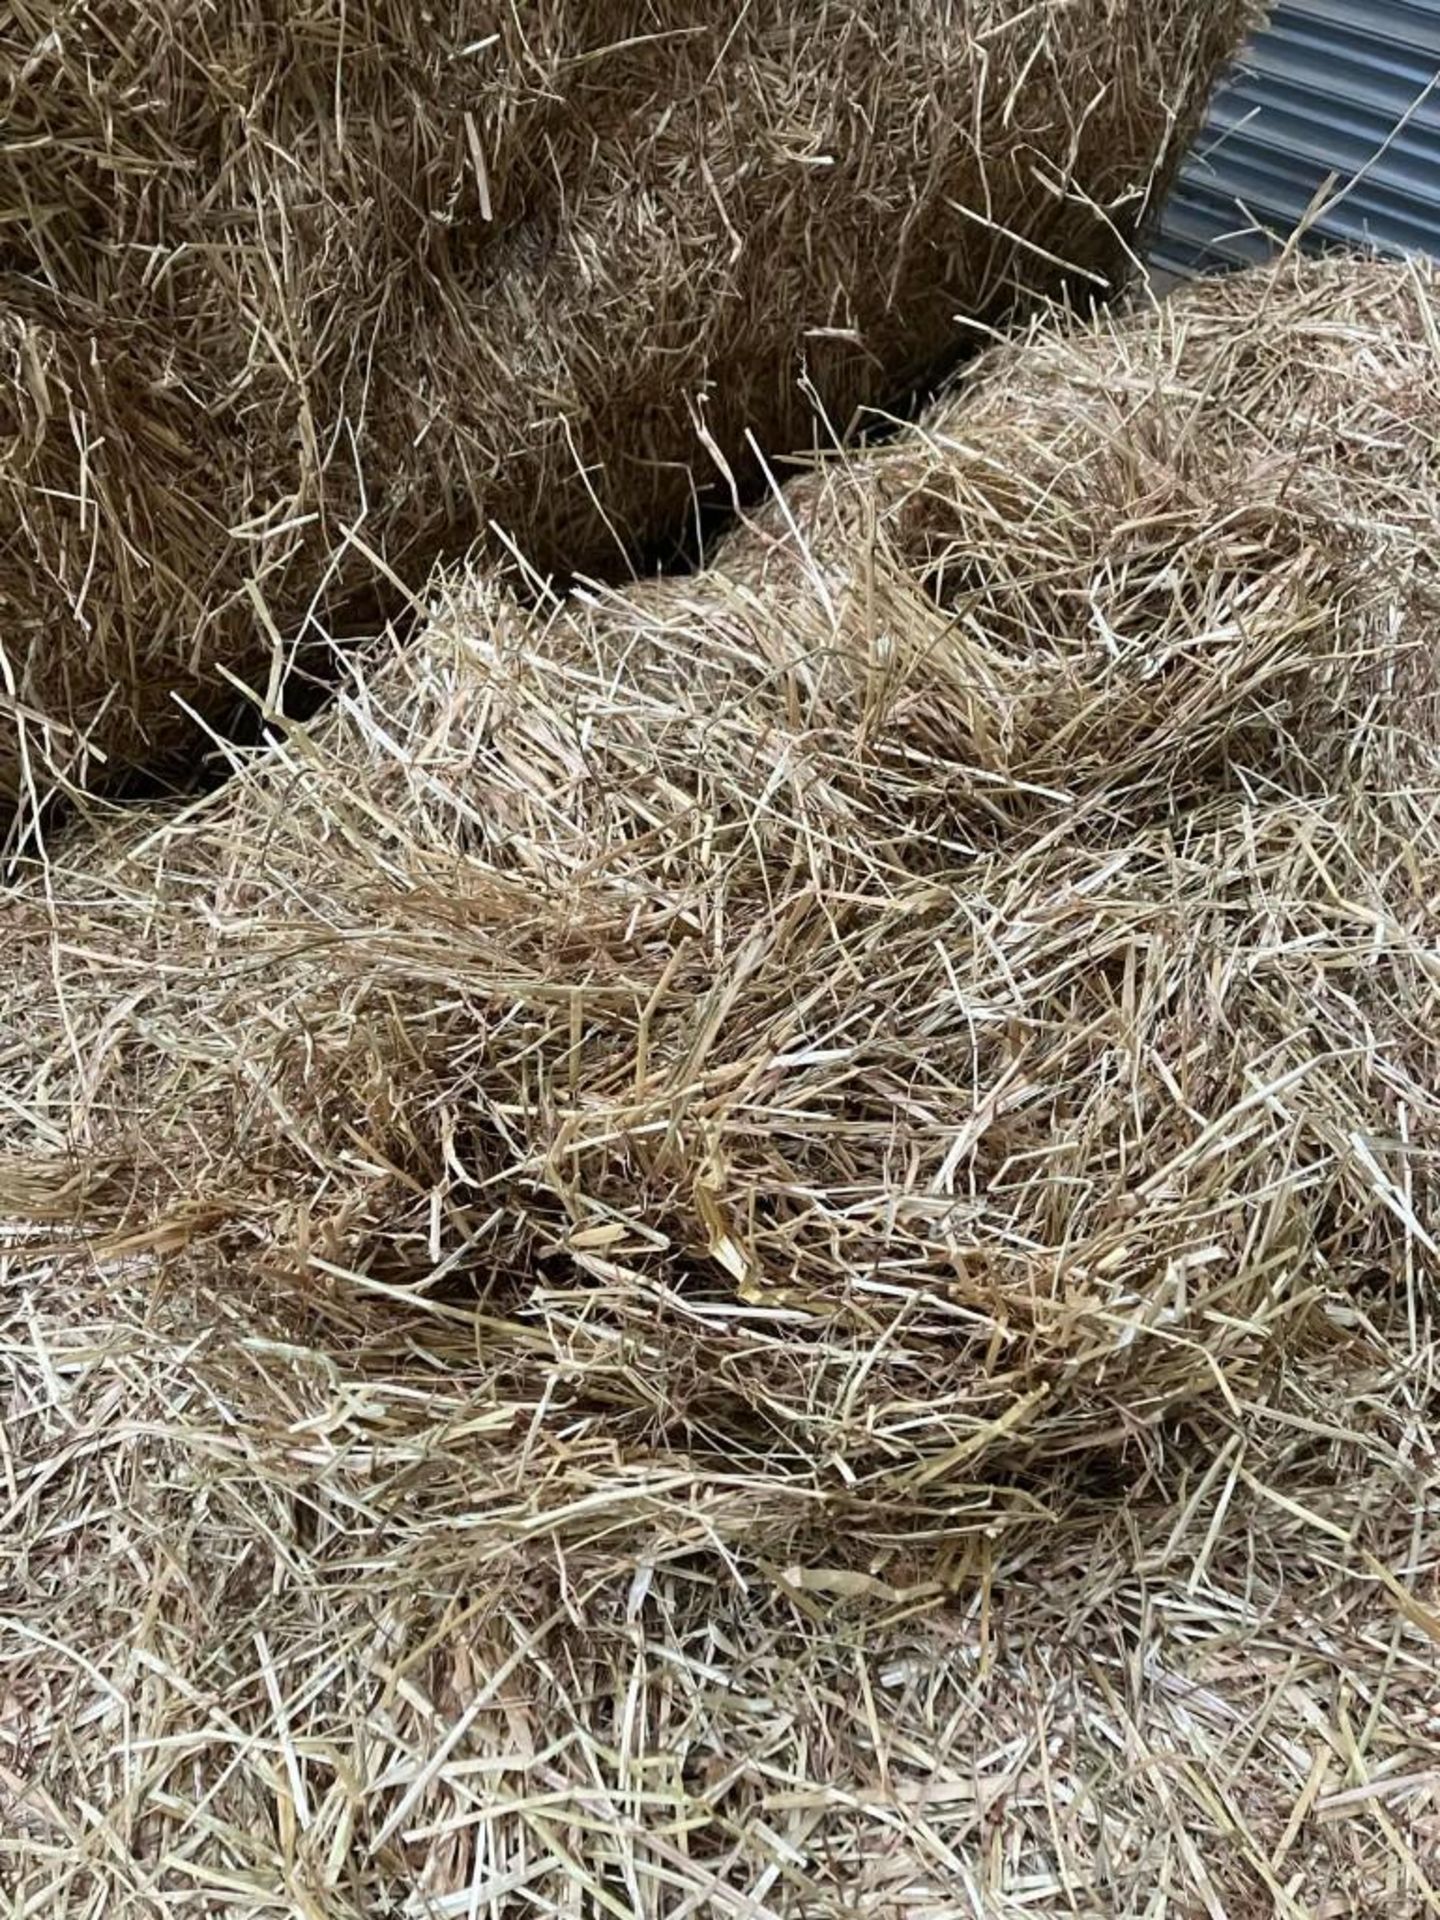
{"x": 1343, "y": 87}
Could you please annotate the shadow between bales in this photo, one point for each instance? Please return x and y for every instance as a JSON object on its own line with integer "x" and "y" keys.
{"x": 391, "y": 613}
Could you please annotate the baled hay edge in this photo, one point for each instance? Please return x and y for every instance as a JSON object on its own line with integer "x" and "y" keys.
{"x": 287, "y": 311}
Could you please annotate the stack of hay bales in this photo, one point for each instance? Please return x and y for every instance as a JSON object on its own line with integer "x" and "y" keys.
{"x": 293, "y": 302}
{"x": 585, "y": 1245}
{"x": 946, "y": 986}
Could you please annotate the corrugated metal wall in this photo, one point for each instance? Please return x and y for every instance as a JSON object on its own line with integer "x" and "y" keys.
{"x": 1350, "y": 87}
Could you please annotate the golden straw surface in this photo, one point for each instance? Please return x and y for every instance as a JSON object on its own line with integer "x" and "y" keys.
{"x": 765, "y": 1244}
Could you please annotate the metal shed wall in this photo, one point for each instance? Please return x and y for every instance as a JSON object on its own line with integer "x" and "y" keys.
{"x": 1349, "y": 87}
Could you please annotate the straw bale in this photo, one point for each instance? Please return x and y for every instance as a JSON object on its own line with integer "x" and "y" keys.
{"x": 293, "y": 300}
{"x": 952, "y": 983}
{"x": 765, "y": 1245}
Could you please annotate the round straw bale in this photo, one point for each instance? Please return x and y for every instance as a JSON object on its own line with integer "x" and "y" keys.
{"x": 294, "y": 300}
{"x": 947, "y": 986}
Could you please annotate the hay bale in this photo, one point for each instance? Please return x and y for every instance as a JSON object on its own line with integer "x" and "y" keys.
{"x": 292, "y": 303}
{"x": 946, "y": 988}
